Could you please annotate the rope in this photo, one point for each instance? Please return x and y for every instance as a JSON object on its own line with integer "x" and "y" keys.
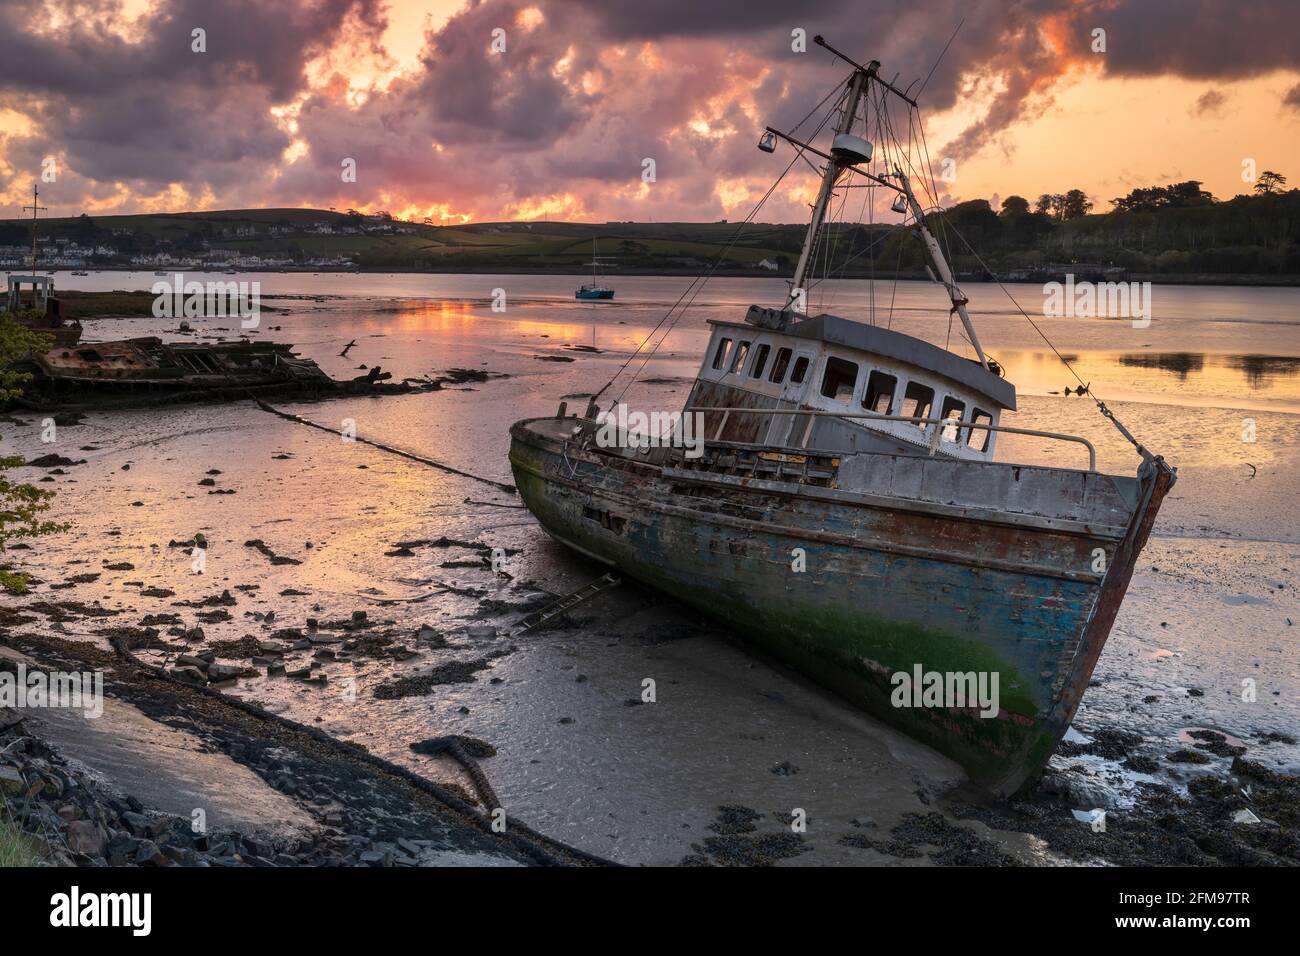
{"x": 388, "y": 448}
{"x": 1086, "y": 388}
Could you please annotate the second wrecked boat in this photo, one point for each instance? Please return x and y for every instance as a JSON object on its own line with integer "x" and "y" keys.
{"x": 148, "y": 370}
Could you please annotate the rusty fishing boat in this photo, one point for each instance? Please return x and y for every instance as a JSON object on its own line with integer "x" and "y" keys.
{"x": 848, "y": 513}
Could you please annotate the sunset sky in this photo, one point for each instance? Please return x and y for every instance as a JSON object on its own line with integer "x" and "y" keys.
{"x": 558, "y": 124}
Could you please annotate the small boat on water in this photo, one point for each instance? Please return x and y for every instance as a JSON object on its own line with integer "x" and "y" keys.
{"x": 593, "y": 289}
{"x": 841, "y": 505}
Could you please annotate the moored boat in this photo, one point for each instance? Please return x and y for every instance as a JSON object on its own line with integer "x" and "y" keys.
{"x": 831, "y": 493}
{"x": 594, "y": 289}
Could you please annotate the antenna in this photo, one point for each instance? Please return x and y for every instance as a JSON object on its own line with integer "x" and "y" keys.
{"x": 35, "y": 208}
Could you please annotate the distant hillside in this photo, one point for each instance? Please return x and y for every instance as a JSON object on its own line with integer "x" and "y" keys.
{"x": 281, "y": 237}
{"x": 1184, "y": 236}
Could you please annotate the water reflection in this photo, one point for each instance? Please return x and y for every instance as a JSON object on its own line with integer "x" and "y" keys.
{"x": 1260, "y": 370}
{"x": 1180, "y": 363}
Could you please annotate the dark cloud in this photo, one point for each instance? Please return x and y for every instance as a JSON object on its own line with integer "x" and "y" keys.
{"x": 571, "y": 108}
{"x": 1209, "y": 103}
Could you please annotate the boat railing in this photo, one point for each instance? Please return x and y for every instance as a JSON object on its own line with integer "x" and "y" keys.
{"x": 934, "y": 444}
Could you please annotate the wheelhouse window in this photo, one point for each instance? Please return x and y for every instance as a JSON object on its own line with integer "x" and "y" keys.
{"x": 800, "y": 371}
{"x": 879, "y": 394}
{"x": 760, "y": 360}
{"x": 839, "y": 379}
{"x": 953, "y": 410}
{"x": 979, "y": 437}
{"x": 720, "y": 357}
{"x": 738, "y": 358}
{"x": 917, "y": 402}
{"x": 780, "y": 366}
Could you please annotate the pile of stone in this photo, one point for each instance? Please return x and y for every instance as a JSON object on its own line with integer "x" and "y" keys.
{"x": 76, "y": 822}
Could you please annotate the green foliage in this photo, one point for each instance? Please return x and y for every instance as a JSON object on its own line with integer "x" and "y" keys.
{"x": 16, "y": 847}
{"x": 21, "y": 505}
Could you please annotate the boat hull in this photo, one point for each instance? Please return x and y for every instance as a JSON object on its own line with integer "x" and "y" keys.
{"x": 854, "y": 594}
{"x": 591, "y": 294}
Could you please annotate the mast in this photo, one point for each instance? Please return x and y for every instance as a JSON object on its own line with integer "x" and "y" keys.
{"x": 941, "y": 268}
{"x": 857, "y": 85}
{"x": 34, "y": 208}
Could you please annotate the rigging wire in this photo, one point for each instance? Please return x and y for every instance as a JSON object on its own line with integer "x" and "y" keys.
{"x": 697, "y": 284}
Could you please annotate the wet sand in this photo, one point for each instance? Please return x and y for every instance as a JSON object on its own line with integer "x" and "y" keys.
{"x": 578, "y": 756}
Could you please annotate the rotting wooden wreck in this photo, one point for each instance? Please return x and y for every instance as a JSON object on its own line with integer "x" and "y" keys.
{"x": 867, "y": 455}
{"x": 148, "y": 371}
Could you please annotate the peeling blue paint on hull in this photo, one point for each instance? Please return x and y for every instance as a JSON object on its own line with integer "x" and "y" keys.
{"x": 864, "y": 609}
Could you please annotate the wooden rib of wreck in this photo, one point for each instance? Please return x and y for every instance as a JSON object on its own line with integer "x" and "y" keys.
{"x": 824, "y": 451}
{"x": 149, "y": 371}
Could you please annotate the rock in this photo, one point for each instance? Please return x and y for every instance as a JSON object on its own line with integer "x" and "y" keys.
{"x": 190, "y": 675}
{"x": 189, "y": 660}
{"x": 84, "y": 837}
{"x": 1245, "y": 817}
{"x": 121, "y": 849}
{"x": 359, "y": 619}
{"x": 220, "y": 672}
{"x": 481, "y": 630}
{"x": 181, "y": 854}
{"x": 148, "y": 854}
{"x": 11, "y": 781}
{"x": 137, "y": 823}
{"x": 275, "y": 670}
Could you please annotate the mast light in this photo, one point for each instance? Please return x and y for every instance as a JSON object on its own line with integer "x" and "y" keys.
{"x": 899, "y": 204}
{"x": 768, "y": 142}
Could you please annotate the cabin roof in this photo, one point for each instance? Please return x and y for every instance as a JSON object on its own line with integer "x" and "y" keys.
{"x": 902, "y": 348}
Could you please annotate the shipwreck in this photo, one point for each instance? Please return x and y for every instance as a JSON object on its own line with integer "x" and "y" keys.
{"x": 148, "y": 371}
{"x": 848, "y": 512}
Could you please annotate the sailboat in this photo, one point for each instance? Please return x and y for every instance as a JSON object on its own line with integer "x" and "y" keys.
{"x": 842, "y": 508}
{"x": 593, "y": 289}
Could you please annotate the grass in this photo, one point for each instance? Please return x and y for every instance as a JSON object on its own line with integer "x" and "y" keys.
{"x": 16, "y": 847}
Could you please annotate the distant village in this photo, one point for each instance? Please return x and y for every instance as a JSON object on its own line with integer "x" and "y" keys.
{"x": 119, "y": 248}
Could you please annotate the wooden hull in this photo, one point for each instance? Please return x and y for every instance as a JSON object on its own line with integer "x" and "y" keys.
{"x": 889, "y": 582}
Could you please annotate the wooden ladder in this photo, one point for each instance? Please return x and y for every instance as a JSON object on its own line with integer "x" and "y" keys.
{"x": 566, "y": 604}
